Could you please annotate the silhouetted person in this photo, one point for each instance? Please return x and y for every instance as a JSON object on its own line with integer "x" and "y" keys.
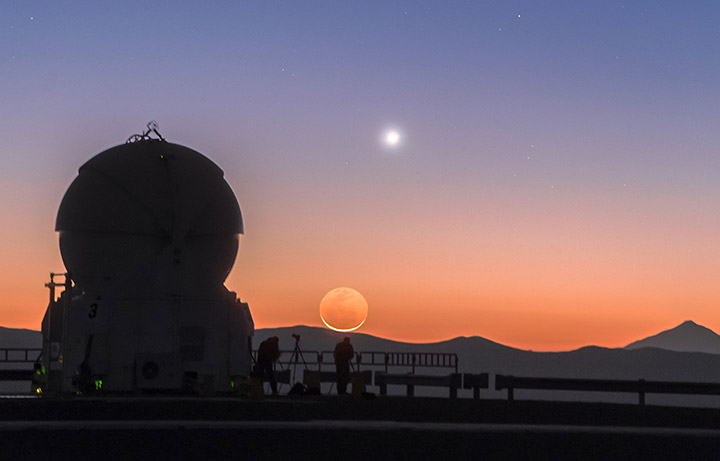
{"x": 268, "y": 353}
{"x": 343, "y": 354}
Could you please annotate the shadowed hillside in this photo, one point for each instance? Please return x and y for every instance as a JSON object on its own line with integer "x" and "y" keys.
{"x": 477, "y": 355}
{"x": 686, "y": 337}
{"x": 19, "y": 338}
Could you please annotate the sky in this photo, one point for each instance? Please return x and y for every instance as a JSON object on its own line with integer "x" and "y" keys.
{"x": 554, "y": 184}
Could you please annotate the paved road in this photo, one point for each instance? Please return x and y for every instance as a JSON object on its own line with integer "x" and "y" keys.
{"x": 317, "y": 439}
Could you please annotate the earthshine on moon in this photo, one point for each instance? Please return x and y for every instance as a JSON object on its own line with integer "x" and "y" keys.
{"x": 343, "y": 309}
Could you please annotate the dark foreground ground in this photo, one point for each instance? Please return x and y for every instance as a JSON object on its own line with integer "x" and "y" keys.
{"x": 323, "y": 427}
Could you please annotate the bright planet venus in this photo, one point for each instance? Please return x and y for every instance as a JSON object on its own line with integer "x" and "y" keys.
{"x": 343, "y": 309}
{"x": 391, "y": 138}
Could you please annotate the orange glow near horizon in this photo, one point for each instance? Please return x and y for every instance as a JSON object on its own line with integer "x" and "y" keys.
{"x": 558, "y": 272}
{"x": 536, "y": 321}
{"x": 552, "y": 288}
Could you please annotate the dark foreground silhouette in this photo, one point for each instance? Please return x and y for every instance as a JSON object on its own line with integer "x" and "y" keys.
{"x": 322, "y": 427}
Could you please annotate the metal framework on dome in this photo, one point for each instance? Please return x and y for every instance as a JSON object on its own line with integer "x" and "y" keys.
{"x": 152, "y": 127}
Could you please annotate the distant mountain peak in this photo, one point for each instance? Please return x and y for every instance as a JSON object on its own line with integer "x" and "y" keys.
{"x": 686, "y": 337}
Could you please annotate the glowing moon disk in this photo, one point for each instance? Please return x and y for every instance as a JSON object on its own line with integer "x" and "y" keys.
{"x": 343, "y": 309}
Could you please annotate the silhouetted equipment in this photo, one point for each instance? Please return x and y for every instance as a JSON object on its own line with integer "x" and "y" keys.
{"x": 411, "y": 361}
{"x": 296, "y": 357}
{"x": 149, "y": 231}
{"x": 152, "y": 127}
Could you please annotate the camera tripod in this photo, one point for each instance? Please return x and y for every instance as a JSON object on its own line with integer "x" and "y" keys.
{"x": 296, "y": 357}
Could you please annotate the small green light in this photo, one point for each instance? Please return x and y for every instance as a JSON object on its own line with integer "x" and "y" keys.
{"x": 232, "y": 383}
{"x": 98, "y": 384}
{"x": 162, "y": 155}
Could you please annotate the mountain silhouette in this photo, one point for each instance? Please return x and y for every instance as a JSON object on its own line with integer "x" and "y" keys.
{"x": 479, "y": 355}
{"x": 686, "y": 337}
{"x": 322, "y": 339}
{"x": 638, "y": 360}
{"x": 20, "y": 338}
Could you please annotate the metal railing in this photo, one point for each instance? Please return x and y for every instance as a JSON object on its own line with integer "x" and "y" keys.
{"x": 20, "y": 355}
{"x": 410, "y": 360}
{"x": 364, "y": 359}
{"x": 640, "y": 387}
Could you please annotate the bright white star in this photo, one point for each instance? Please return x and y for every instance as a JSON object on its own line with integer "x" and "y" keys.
{"x": 391, "y": 138}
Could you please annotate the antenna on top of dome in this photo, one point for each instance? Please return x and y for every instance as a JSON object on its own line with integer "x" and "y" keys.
{"x": 152, "y": 127}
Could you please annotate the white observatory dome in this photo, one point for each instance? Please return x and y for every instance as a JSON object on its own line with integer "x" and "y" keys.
{"x": 149, "y": 218}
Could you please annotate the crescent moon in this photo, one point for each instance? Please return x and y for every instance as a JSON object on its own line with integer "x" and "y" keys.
{"x": 343, "y": 309}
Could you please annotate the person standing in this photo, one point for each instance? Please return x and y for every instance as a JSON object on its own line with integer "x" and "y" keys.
{"x": 344, "y": 352}
{"x": 268, "y": 353}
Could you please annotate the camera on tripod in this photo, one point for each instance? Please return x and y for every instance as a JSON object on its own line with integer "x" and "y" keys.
{"x": 296, "y": 356}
